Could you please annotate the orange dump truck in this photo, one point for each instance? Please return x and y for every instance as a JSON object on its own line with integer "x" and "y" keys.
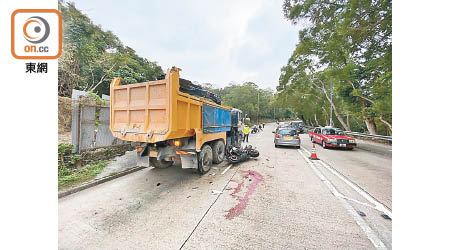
{"x": 167, "y": 124}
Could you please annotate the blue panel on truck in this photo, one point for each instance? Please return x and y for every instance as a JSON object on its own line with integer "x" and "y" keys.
{"x": 215, "y": 120}
{"x": 235, "y": 117}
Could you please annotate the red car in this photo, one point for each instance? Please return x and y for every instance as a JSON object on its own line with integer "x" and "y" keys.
{"x": 331, "y": 138}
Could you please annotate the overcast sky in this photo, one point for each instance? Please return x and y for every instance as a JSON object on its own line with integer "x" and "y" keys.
{"x": 212, "y": 41}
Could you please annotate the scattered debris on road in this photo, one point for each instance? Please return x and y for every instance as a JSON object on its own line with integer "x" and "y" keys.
{"x": 386, "y": 217}
{"x": 224, "y": 171}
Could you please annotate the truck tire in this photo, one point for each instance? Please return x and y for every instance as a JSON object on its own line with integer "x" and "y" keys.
{"x": 160, "y": 164}
{"x": 205, "y": 158}
{"x": 218, "y": 151}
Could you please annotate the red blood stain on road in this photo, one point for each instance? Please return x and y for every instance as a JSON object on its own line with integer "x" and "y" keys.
{"x": 239, "y": 208}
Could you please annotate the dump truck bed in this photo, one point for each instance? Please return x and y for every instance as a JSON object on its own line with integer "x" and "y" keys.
{"x": 157, "y": 111}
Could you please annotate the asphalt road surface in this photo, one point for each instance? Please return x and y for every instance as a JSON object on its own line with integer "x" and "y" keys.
{"x": 281, "y": 200}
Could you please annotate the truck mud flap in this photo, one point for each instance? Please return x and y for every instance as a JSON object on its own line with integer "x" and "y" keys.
{"x": 189, "y": 161}
{"x": 142, "y": 161}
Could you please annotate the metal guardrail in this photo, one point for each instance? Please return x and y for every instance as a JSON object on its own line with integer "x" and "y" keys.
{"x": 378, "y": 137}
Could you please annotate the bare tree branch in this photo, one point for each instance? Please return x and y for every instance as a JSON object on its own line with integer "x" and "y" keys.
{"x": 103, "y": 77}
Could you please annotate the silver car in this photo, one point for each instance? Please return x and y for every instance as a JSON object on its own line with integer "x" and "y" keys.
{"x": 286, "y": 137}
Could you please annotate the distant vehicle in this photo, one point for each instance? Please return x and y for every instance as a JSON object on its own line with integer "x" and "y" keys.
{"x": 298, "y": 125}
{"x": 286, "y": 136}
{"x": 283, "y": 125}
{"x": 330, "y": 137}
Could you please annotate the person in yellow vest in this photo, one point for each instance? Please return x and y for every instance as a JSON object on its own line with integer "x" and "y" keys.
{"x": 246, "y": 132}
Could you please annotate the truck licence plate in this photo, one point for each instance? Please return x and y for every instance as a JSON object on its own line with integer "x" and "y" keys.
{"x": 153, "y": 153}
{"x": 343, "y": 145}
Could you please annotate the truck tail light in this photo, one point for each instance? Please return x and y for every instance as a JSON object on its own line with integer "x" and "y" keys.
{"x": 277, "y": 136}
{"x": 176, "y": 143}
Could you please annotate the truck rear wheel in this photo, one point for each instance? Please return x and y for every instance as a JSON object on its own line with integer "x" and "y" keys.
{"x": 205, "y": 158}
{"x": 218, "y": 151}
{"x": 160, "y": 164}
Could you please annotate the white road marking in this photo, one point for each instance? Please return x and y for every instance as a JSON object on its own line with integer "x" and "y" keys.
{"x": 378, "y": 206}
{"x": 357, "y": 201}
{"x": 374, "y": 239}
{"x": 226, "y": 169}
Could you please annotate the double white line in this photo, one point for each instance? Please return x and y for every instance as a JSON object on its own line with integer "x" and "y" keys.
{"x": 374, "y": 239}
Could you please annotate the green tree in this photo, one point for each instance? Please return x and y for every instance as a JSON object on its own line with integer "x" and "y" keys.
{"x": 245, "y": 97}
{"x": 346, "y": 44}
{"x": 92, "y": 57}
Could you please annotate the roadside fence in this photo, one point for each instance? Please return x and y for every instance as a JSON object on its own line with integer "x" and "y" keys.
{"x": 90, "y": 123}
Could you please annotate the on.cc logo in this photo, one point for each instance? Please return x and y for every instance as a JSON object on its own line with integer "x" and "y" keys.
{"x": 36, "y": 34}
{"x": 36, "y": 29}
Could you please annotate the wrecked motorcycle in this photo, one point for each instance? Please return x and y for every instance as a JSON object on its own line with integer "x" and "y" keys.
{"x": 235, "y": 155}
{"x": 254, "y": 130}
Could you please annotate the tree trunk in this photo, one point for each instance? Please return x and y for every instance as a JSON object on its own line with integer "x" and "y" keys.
{"x": 325, "y": 114}
{"x": 336, "y": 113}
{"x": 348, "y": 123}
{"x": 371, "y": 126}
{"x": 369, "y": 120}
{"x": 388, "y": 125}
{"x": 339, "y": 117}
{"x": 315, "y": 119}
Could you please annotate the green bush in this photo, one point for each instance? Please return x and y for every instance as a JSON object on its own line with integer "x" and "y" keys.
{"x": 64, "y": 148}
{"x": 63, "y": 171}
{"x": 74, "y": 158}
{"x": 69, "y": 178}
